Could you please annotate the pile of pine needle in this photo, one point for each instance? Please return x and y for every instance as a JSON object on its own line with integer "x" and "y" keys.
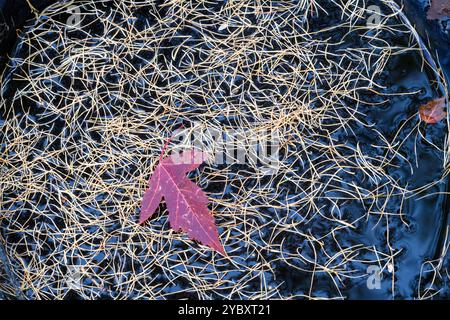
{"x": 95, "y": 88}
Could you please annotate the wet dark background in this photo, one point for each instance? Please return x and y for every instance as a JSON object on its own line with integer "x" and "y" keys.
{"x": 427, "y": 239}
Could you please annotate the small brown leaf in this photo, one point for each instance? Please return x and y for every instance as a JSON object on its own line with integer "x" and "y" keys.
{"x": 433, "y": 111}
{"x": 439, "y": 9}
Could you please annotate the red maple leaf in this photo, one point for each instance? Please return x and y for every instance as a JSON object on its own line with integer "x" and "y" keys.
{"x": 433, "y": 111}
{"x": 186, "y": 202}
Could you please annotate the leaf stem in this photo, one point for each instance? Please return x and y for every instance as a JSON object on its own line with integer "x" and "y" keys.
{"x": 167, "y": 144}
